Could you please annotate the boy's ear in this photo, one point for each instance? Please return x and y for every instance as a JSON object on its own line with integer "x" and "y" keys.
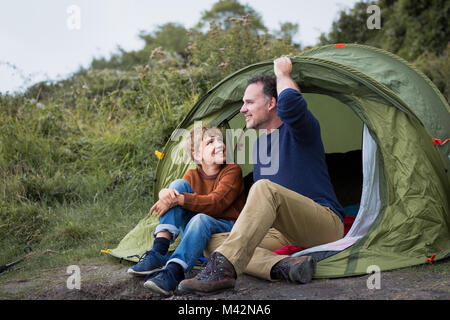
{"x": 197, "y": 156}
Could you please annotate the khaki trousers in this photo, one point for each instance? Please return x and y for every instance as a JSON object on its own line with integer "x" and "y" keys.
{"x": 273, "y": 217}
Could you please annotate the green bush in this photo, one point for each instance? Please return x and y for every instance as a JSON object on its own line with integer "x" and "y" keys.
{"x": 437, "y": 68}
{"x": 221, "y": 52}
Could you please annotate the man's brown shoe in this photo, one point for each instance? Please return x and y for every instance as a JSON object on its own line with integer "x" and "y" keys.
{"x": 295, "y": 269}
{"x": 218, "y": 275}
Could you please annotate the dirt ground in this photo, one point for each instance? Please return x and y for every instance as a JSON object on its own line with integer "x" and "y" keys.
{"x": 109, "y": 281}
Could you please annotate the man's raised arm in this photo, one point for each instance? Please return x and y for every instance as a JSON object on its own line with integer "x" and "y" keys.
{"x": 282, "y": 69}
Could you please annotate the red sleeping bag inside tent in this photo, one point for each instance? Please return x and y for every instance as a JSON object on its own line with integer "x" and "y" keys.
{"x": 287, "y": 250}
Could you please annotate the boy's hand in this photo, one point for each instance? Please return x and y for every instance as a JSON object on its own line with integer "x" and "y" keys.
{"x": 160, "y": 207}
{"x": 169, "y": 196}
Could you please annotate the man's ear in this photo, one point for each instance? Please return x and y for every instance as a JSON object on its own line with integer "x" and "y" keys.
{"x": 272, "y": 103}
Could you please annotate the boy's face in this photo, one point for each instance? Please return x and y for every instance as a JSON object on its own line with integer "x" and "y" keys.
{"x": 212, "y": 150}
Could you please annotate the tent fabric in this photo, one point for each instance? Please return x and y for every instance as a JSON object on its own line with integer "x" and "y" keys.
{"x": 413, "y": 223}
{"x": 399, "y": 76}
{"x": 403, "y": 79}
{"x": 138, "y": 241}
{"x": 402, "y": 112}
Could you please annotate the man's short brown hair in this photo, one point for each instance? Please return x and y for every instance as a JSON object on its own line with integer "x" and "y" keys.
{"x": 269, "y": 84}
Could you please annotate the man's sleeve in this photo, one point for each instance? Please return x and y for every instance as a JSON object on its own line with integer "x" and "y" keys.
{"x": 293, "y": 110}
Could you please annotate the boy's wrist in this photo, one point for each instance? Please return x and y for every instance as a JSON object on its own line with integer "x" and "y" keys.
{"x": 180, "y": 200}
{"x": 161, "y": 193}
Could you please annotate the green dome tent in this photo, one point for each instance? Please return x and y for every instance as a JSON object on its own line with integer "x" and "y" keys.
{"x": 366, "y": 100}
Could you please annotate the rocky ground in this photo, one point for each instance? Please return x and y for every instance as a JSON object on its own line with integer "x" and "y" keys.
{"x": 109, "y": 281}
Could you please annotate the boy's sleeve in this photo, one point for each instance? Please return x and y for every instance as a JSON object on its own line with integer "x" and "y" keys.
{"x": 230, "y": 186}
{"x": 188, "y": 177}
{"x": 293, "y": 110}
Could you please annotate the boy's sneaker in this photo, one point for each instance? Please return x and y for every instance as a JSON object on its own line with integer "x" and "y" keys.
{"x": 163, "y": 282}
{"x": 295, "y": 269}
{"x": 150, "y": 262}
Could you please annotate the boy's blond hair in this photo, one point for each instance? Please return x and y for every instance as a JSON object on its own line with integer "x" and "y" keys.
{"x": 195, "y": 138}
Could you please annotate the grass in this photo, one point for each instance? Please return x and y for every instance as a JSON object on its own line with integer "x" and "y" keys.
{"x": 72, "y": 233}
{"x": 74, "y": 180}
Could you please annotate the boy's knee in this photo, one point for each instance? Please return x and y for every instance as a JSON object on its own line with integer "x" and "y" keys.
{"x": 200, "y": 223}
{"x": 200, "y": 219}
{"x": 180, "y": 185}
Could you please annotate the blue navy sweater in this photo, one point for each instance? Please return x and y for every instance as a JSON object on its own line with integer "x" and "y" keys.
{"x": 296, "y": 158}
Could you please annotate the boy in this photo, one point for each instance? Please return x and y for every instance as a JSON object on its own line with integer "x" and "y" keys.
{"x": 207, "y": 200}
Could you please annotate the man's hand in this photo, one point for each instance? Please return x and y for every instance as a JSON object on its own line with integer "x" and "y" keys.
{"x": 282, "y": 67}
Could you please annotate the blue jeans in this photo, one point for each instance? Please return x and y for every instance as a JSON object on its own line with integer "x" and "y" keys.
{"x": 195, "y": 228}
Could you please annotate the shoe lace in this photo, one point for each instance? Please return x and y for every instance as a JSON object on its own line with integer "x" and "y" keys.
{"x": 142, "y": 257}
{"x": 210, "y": 269}
{"x": 281, "y": 270}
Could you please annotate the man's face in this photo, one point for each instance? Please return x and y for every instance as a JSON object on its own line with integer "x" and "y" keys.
{"x": 255, "y": 107}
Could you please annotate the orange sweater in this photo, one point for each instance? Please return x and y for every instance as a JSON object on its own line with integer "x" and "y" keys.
{"x": 219, "y": 196}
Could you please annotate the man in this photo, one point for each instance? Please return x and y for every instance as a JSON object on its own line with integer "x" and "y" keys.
{"x": 297, "y": 199}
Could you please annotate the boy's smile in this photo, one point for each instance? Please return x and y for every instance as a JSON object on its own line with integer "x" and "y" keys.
{"x": 211, "y": 151}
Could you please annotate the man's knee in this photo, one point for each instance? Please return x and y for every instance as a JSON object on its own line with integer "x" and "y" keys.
{"x": 262, "y": 185}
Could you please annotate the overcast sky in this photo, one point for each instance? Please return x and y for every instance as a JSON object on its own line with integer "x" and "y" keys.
{"x": 40, "y": 40}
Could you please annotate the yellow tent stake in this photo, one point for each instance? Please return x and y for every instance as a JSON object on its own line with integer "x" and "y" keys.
{"x": 160, "y": 155}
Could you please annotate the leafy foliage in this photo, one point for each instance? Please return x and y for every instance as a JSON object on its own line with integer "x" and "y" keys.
{"x": 418, "y": 31}
{"x": 223, "y": 10}
{"x": 351, "y": 27}
{"x": 437, "y": 68}
{"x": 220, "y": 52}
{"x": 408, "y": 28}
